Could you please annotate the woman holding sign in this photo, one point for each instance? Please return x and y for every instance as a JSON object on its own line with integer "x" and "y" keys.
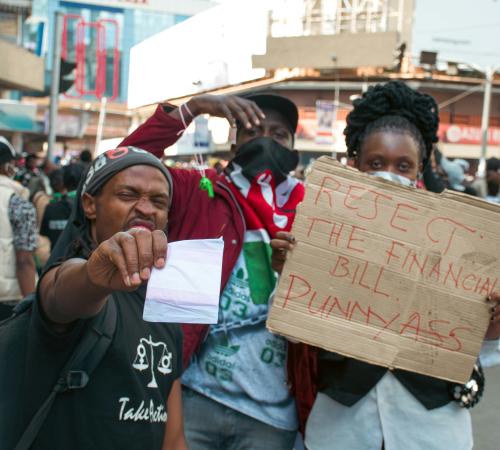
{"x": 390, "y": 133}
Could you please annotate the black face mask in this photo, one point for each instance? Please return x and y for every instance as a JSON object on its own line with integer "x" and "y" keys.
{"x": 264, "y": 153}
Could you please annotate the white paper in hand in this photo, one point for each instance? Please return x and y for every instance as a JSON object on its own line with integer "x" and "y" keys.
{"x": 187, "y": 289}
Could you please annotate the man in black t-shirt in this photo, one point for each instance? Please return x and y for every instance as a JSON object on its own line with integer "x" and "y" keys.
{"x": 55, "y": 218}
{"x": 133, "y": 398}
{"x": 57, "y": 212}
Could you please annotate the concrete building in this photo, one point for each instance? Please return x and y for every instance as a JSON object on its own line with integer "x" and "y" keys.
{"x": 325, "y": 53}
{"x": 20, "y": 70}
{"x": 97, "y": 36}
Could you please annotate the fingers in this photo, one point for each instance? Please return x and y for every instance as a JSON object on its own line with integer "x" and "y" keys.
{"x": 128, "y": 247}
{"x": 226, "y": 112}
{"x": 151, "y": 250}
{"x": 127, "y": 258}
{"x": 257, "y": 110}
{"x": 494, "y": 297}
{"x": 144, "y": 243}
{"x": 253, "y": 113}
{"x": 286, "y": 236}
{"x": 231, "y": 107}
{"x": 493, "y": 331}
{"x": 281, "y": 245}
{"x": 494, "y": 300}
{"x": 140, "y": 250}
{"x": 159, "y": 248}
{"x": 113, "y": 252}
{"x": 237, "y": 111}
{"x": 495, "y": 318}
{"x": 246, "y": 111}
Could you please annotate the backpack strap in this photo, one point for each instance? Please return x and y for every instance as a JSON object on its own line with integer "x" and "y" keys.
{"x": 24, "y": 305}
{"x": 76, "y": 372}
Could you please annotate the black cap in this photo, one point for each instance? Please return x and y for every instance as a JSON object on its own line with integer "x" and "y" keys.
{"x": 7, "y": 152}
{"x": 283, "y": 105}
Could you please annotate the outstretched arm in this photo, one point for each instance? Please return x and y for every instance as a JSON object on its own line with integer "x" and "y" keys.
{"x": 234, "y": 109}
{"x": 77, "y": 289}
{"x": 163, "y": 128}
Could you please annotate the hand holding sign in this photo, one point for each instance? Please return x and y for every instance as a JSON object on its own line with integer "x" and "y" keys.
{"x": 493, "y": 331}
{"x": 281, "y": 245}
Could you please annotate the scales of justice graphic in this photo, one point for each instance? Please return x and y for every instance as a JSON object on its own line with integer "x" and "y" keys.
{"x": 141, "y": 361}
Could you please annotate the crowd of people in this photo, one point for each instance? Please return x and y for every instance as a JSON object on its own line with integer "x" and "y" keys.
{"x": 177, "y": 386}
{"x": 38, "y": 201}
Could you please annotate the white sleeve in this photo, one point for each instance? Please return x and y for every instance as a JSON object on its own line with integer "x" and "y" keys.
{"x": 490, "y": 353}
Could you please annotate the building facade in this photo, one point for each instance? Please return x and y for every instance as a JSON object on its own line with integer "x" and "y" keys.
{"x": 97, "y": 37}
{"x": 21, "y": 70}
{"x": 324, "y": 53}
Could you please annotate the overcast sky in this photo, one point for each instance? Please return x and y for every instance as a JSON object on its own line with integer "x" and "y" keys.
{"x": 460, "y": 30}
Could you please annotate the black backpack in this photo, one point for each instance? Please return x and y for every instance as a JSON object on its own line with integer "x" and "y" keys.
{"x": 75, "y": 373}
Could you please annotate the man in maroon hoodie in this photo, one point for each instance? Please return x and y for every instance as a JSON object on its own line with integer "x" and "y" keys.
{"x": 235, "y": 395}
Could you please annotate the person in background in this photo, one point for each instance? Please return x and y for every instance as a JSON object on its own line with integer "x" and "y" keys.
{"x": 30, "y": 170}
{"x": 493, "y": 180}
{"x": 432, "y": 181}
{"x": 85, "y": 157}
{"x": 59, "y": 209}
{"x": 42, "y": 189}
{"x": 57, "y": 183}
{"x": 18, "y": 235}
{"x": 234, "y": 395}
{"x": 455, "y": 175}
{"x": 40, "y": 194}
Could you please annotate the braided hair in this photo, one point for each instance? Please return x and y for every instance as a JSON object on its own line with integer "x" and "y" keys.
{"x": 397, "y": 108}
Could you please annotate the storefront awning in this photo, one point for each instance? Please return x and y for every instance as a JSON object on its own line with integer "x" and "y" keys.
{"x": 468, "y": 151}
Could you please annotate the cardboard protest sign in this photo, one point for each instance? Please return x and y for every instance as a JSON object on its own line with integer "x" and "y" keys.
{"x": 388, "y": 274}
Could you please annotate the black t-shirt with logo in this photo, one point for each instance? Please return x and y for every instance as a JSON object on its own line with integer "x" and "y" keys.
{"x": 55, "y": 218}
{"x": 124, "y": 405}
